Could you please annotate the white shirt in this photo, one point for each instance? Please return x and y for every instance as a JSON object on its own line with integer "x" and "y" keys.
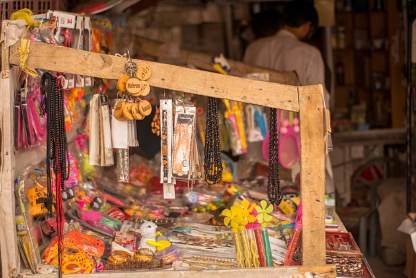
{"x": 284, "y": 52}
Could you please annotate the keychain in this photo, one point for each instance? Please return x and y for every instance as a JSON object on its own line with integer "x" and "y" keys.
{"x": 131, "y": 85}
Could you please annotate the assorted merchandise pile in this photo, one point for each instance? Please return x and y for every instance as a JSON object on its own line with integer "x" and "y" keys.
{"x": 132, "y": 179}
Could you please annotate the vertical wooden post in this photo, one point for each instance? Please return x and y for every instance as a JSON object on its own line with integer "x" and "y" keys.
{"x": 10, "y": 258}
{"x": 312, "y": 179}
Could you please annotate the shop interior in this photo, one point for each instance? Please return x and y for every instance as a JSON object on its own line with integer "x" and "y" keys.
{"x": 98, "y": 180}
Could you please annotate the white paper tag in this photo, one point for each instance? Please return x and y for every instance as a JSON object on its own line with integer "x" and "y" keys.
{"x": 168, "y": 191}
{"x": 106, "y": 133}
{"x": 94, "y": 142}
{"x": 119, "y": 133}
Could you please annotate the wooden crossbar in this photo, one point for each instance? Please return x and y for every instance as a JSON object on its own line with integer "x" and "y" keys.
{"x": 64, "y": 59}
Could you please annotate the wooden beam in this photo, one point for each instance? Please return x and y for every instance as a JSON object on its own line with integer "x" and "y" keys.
{"x": 324, "y": 271}
{"x": 203, "y": 61}
{"x": 312, "y": 175}
{"x": 63, "y": 59}
{"x": 8, "y": 237}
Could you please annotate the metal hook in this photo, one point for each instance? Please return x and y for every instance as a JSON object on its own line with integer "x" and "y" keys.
{"x": 128, "y": 54}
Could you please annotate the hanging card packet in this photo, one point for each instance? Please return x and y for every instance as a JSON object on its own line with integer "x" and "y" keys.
{"x": 28, "y": 132}
{"x": 166, "y": 125}
{"x": 17, "y": 123}
{"x": 196, "y": 162}
{"x": 123, "y": 165}
{"x": 183, "y": 140}
{"x": 238, "y": 109}
{"x": 94, "y": 142}
{"x": 107, "y": 158}
{"x": 120, "y": 140}
{"x": 254, "y": 132}
{"x": 38, "y": 129}
{"x": 132, "y": 133}
{"x": 119, "y": 132}
{"x": 233, "y": 133}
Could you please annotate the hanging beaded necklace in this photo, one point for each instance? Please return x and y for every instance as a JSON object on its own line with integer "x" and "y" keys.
{"x": 212, "y": 161}
{"x": 57, "y": 156}
{"x": 274, "y": 192}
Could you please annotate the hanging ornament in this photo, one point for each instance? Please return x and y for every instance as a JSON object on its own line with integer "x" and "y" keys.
{"x": 274, "y": 192}
{"x": 212, "y": 161}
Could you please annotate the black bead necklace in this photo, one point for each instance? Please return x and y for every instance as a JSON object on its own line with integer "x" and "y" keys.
{"x": 56, "y": 150}
{"x": 274, "y": 192}
{"x": 212, "y": 160}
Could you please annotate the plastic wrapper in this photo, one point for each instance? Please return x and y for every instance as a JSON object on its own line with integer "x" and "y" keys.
{"x": 267, "y": 248}
{"x": 90, "y": 245}
{"x": 239, "y": 249}
{"x": 102, "y": 222}
{"x": 73, "y": 260}
{"x": 168, "y": 254}
{"x": 260, "y": 247}
{"x": 246, "y": 248}
{"x": 123, "y": 165}
{"x": 255, "y": 262}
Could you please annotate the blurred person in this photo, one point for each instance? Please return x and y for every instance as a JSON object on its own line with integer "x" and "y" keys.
{"x": 266, "y": 23}
{"x": 285, "y": 51}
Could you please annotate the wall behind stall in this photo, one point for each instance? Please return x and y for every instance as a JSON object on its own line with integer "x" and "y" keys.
{"x": 193, "y": 27}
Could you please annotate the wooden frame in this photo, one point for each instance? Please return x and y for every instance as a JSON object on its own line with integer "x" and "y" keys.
{"x": 204, "y": 61}
{"x": 307, "y": 100}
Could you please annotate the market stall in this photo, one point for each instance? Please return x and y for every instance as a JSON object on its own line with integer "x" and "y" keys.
{"x": 307, "y": 101}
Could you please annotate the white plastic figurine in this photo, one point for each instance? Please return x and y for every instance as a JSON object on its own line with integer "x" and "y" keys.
{"x": 148, "y": 233}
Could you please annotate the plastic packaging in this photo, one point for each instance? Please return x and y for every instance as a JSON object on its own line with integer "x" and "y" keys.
{"x": 246, "y": 248}
{"x": 267, "y": 248}
{"x": 123, "y": 165}
{"x": 90, "y": 245}
{"x": 100, "y": 221}
{"x": 253, "y": 247}
{"x": 239, "y": 249}
{"x": 168, "y": 254}
{"x": 260, "y": 246}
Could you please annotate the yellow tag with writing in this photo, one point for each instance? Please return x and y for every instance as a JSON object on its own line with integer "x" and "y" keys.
{"x": 118, "y": 109}
{"x": 145, "y": 88}
{"x": 127, "y": 111}
{"x": 136, "y": 113}
{"x": 121, "y": 83}
{"x": 143, "y": 72}
{"x": 134, "y": 86}
{"x": 145, "y": 108}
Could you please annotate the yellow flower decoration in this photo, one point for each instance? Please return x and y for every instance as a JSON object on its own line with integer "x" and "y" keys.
{"x": 234, "y": 217}
{"x": 247, "y": 211}
{"x": 263, "y": 212}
